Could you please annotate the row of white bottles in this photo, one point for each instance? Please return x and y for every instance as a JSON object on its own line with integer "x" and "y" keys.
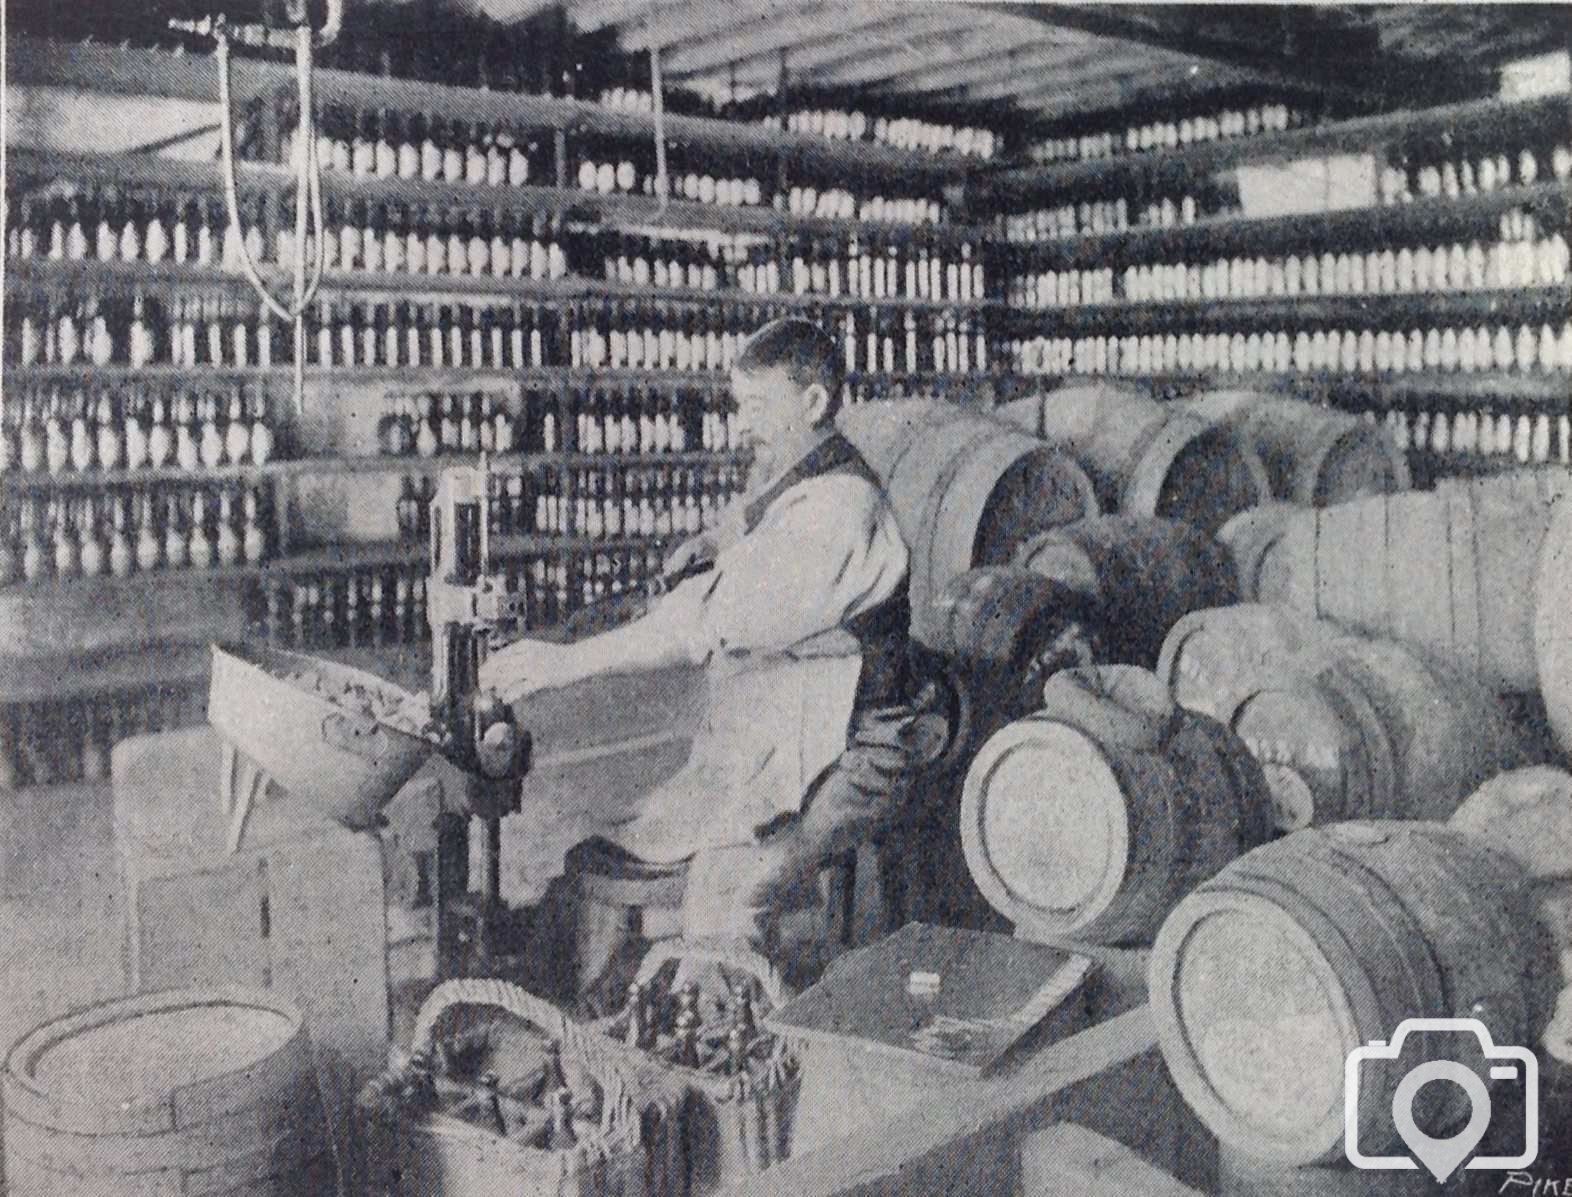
{"x": 837, "y": 203}
{"x": 1425, "y": 269}
{"x": 1168, "y": 135}
{"x": 886, "y": 342}
{"x": 384, "y": 144}
{"x": 1533, "y": 439}
{"x": 382, "y": 605}
{"x": 59, "y": 432}
{"x": 903, "y": 133}
{"x": 386, "y": 240}
{"x": 1095, "y": 217}
{"x": 952, "y": 274}
{"x": 601, "y": 176}
{"x": 1526, "y": 351}
{"x": 119, "y": 534}
{"x": 108, "y": 225}
{"x": 612, "y": 504}
{"x": 1405, "y": 182}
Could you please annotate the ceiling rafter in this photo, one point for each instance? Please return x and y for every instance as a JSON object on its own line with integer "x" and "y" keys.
{"x": 1274, "y": 42}
{"x": 892, "y": 40}
{"x": 981, "y": 55}
{"x": 1001, "y": 87}
{"x": 1117, "y": 91}
{"x": 942, "y": 77}
{"x": 674, "y": 26}
{"x": 770, "y": 35}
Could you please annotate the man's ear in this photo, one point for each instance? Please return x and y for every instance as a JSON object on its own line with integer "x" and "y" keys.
{"x": 816, "y": 403}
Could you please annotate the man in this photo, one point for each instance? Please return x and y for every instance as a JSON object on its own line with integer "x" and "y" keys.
{"x": 795, "y": 604}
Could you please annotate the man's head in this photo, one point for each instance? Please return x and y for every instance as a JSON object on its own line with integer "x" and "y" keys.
{"x": 786, "y": 381}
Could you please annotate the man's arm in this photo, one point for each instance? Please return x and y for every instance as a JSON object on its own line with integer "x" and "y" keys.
{"x": 828, "y": 551}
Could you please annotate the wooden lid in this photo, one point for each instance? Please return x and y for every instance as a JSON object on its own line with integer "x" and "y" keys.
{"x": 1044, "y": 825}
{"x": 156, "y": 1062}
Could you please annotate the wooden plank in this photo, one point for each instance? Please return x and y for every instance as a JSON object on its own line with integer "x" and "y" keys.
{"x": 904, "y": 1154}
{"x": 1066, "y": 1160}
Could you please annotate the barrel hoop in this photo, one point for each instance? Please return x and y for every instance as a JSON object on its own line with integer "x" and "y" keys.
{"x": 185, "y": 1105}
{"x": 924, "y": 568}
{"x": 292, "y": 1119}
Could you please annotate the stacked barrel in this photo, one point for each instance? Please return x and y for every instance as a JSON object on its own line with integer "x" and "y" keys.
{"x": 1221, "y": 681}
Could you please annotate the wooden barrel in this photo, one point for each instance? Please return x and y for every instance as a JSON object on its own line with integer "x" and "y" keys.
{"x": 1343, "y": 726}
{"x": 966, "y": 489}
{"x": 1090, "y": 818}
{"x": 1457, "y": 571}
{"x": 1269, "y": 974}
{"x": 1213, "y": 659}
{"x": 1526, "y": 813}
{"x": 1252, "y": 539}
{"x": 1313, "y": 455}
{"x": 999, "y": 616}
{"x": 184, "y": 1091}
{"x": 1140, "y": 573}
{"x": 1149, "y": 458}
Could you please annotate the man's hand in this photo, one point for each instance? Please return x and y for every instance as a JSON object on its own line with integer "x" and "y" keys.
{"x": 524, "y": 668}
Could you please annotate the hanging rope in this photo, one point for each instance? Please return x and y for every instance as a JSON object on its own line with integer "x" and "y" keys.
{"x": 658, "y": 106}
{"x": 308, "y": 184}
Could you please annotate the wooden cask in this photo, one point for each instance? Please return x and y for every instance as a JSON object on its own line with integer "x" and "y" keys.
{"x": 1149, "y": 458}
{"x": 1212, "y": 660}
{"x": 1313, "y": 455}
{"x": 1343, "y": 726}
{"x": 966, "y": 489}
{"x": 183, "y": 1091}
{"x": 1141, "y": 574}
{"x": 1090, "y": 818}
{"x": 1474, "y": 574}
{"x": 1269, "y": 974}
{"x": 998, "y": 616}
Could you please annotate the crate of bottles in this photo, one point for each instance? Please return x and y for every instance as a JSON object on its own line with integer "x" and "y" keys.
{"x": 741, "y": 1083}
{"x": 527, "y": 1103}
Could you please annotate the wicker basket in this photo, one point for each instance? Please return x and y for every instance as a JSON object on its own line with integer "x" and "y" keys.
{"x": 418, "y": 1142}
{"x": 733, "y": 1126}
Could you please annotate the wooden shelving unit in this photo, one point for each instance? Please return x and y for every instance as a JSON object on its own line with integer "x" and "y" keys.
{"x": 135, "y": 616}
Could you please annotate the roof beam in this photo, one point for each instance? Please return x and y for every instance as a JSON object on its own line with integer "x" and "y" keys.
{"x": 1170, "y": 83}
{"x": 944, "y": 76}
{"x": 767, "y": 36}
{"x": 981, "y": 55}
{"x": 1293, "y": 44}
{"x": 895, "y": 62}
{"x": 687, "y": 21}
{"x": 892, "y": 38}
{"x": 591, "y": 15}
{"x": 1001, "y": 87}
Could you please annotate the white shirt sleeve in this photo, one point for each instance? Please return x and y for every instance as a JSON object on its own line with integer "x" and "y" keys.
{"x": 825, "y": 551}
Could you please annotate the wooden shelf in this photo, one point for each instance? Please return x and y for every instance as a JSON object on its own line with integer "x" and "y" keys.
{"x": 344, "y": 558}
{"x": 75, "y": 677}
{"x": 1226, "y": 236}
{"x": 1438, "y": 309}
{"x": 408, "y": 377}
{"x": 1475, "y": 120}
{"x": 505, "y": 463}
{"x": 130, "y": 277}
{"x": 195, "y": 77}
{"x": 613, "y": 211}
{"x": 1359, "y": 391}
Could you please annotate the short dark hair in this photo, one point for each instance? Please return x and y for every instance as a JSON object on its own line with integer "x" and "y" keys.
{"x": 802, "y": 349}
